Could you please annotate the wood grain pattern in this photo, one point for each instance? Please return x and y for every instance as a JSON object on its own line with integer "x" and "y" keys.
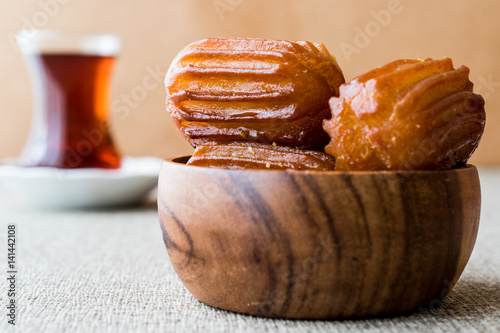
{"x": 302, "y": 244}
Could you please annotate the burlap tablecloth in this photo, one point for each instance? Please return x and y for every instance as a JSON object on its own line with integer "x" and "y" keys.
{"x": 108, "y": 271}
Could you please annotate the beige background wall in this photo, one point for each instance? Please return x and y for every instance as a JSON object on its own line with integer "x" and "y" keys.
{"x": 155, "y": 30}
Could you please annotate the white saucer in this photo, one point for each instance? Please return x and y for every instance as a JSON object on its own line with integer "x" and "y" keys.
{"x": 81, "y": 188}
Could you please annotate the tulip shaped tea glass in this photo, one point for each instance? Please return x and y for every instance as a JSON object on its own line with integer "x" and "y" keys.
{"x": 71, "y": 76}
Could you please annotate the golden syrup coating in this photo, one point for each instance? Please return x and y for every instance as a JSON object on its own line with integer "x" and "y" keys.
{"x": 253, "y": 90}
{"x": 406, "y": 115}
{"x": 240, "y": 155}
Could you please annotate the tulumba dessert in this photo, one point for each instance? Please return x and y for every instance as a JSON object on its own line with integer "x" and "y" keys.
{"x": 247, "y": 155}
{"x": 406, "y": 115}
{"x": 253, "y": 90}
{"x": 256, "y": 103}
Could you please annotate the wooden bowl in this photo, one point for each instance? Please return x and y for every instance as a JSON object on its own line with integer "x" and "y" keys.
{"x": 299, "y": 244}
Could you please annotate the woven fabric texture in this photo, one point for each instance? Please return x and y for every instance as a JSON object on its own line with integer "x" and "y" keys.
{"x": 108, "y": 271}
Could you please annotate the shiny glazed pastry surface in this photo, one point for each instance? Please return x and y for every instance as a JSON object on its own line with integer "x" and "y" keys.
{"x": 253, "y": 90}
{"x": 406, "y": 115}
{"x": 259, "y": 156}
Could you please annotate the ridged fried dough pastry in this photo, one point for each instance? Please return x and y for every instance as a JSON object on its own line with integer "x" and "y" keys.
{"x": 240, "y": 155}
{"x": 406, "y": 115}
{"x": 223, "y": 90}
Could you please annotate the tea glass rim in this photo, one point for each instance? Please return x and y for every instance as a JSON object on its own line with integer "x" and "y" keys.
{"x": 38, "y": 41}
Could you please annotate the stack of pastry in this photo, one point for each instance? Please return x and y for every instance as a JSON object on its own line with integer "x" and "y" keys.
{"x": 254, "y": 103}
